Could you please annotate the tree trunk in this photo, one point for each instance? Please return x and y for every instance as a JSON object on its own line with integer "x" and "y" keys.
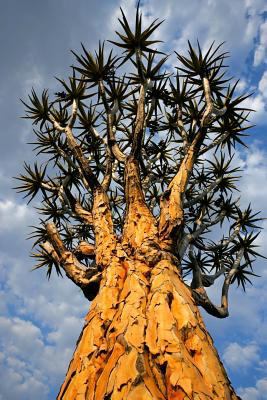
{"x": 144, "y": 339}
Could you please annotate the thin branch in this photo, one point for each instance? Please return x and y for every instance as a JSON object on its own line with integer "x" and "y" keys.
{"x": 138, "y": 56}
{"x": 182, "y": 130}
{"x": 223, "y": 243}
{"x": 75, "y": 148}
{"x": 49, "y": 249}
{"x": 150, "y": 111}
{"x": 191, "y": 237}
{"x": 206, "y": 225}
{"x": 202, "y": 299}
{"x": 111, "y": 129}
{"x": 215, "y": 142}
{"x": 202, "y": 280}
{"x": 102, "y": 92}
{"x": 139, "y": 123}
{"x": 209, "y": 189}
{"x": 229, "y": 277}
{"x": 97, "y": 135}
{"x": 78, "y": 210}
{"x": 211, "y": 112}
{"x": 108, "y": 172}
{"x": 197, "y": 279}
{"x": 112, "y": 143}
{"x": 73, "y": 114}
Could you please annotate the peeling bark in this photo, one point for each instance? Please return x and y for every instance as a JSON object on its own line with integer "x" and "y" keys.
{"x": 144, "y": 338}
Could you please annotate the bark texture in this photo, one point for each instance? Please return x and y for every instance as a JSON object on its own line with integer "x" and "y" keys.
{"x": 144, "y": 338}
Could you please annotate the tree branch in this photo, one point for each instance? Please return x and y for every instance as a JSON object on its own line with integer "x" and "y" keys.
{"x": 182, "y": 130}
{"x": 82, "y": 213}
{"x": 73, "y": 114}
{"x": 196, "y": 199}
{"x": 171, "y": 219}
{"x": 112, "y": 143}
{"x": 109, "y": 169}
{"x": 202, "y": 280}
{"x": 75, "y": 148}
{"x": 211, "y": 112}
{"x": 85, "y": 250}
{"x": 222, "y": 243}
{"x": 49, "y": 249}
{"x": 215, "y": 143}
{"x": 139, "y": 124}
{"x": 83, "y": 277}
{"x": 190, "y": 237}
{"x": 111, "y": 112}
{"x": 140, "y": 224}
{"x": 202, "y": 299}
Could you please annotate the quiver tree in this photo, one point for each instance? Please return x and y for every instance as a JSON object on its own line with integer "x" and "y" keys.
{"x": 138, "y": 171}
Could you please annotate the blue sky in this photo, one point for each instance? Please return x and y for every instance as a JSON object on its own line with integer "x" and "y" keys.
{"x": 40, "y": 321}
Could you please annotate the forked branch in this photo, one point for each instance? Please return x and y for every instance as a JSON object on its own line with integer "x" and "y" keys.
{"x": 200, "y": 294}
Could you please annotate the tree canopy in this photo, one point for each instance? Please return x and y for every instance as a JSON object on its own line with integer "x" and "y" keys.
{"x": 138, "y": 105}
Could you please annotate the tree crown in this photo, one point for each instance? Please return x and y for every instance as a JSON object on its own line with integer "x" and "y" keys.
{"x": 180, "y": 126}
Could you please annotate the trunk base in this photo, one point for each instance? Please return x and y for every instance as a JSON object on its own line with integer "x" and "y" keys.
{"x": 144, "y": 339}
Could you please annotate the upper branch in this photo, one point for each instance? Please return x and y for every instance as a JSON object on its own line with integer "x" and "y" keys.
{"x": 215, "y": 142}
{"x": 223, "y": 243}
{"x": 211, "y": 112}
{"x": 111, "y": 129}
{"x": 139, "y": 124}
{"x": 182, "y": 130}
{"x": 75, "y": 148}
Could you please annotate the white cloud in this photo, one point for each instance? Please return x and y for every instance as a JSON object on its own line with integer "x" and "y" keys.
{"x": 263, "y": 84}
{"x": 33, "y": 79}
{"x": 256, "y": 103}
{"x": 237, "y": 356}
{"x": 253, "y": 183}
{"x": 20, "y": 334}
{"x": 260, "y": 54}
{"x": 32, "y": 359}
{"x": 256, "y": 6}
{"x": 241, "y": 86}
{"x": 255, "y": 393}
{"x": 13, "y": 215}
{"x": 20, "y": 378}
{"x": 38, "y": 343}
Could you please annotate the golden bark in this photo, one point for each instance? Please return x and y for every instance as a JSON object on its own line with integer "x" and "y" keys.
{"x": 144, "y": 338}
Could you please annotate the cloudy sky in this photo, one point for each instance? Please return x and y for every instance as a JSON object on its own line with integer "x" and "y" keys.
{"x": 40, "y": 320}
